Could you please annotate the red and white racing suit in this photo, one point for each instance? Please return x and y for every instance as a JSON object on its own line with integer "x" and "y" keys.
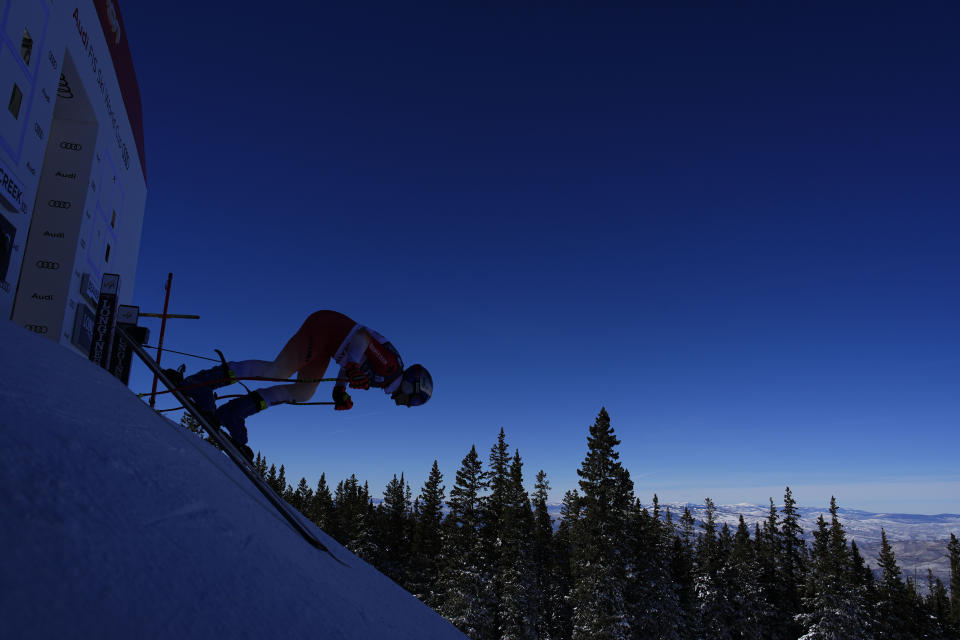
{"x": 325, "y": 335}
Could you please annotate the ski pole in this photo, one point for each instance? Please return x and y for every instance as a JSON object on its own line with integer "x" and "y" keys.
{"x": 260, "y": 378}
{"x": 182, "y": 353}
{"x": 238, "y": 396}
{"x": 308, "y": 380}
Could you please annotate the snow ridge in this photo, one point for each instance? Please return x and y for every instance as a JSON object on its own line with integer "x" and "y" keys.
{"x": 117, "y": 522}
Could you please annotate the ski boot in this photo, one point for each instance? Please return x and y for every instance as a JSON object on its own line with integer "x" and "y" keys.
{"x": 244, "y": 449}
{"x": 199, "y": 387}
{"x": 233, "y": 415}
{"x": 175, "y": 375}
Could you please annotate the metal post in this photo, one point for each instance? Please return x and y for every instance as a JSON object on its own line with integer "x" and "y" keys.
{"x": 163, "y": 326}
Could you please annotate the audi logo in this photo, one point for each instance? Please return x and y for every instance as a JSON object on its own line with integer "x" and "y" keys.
{"x": 48, "y": 264}
{"x": 36, "y": 328}
{"x": 59, "y": 204}
{"x": 71, "y": 146}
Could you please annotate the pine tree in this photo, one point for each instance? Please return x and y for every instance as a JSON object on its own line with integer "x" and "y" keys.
{"x": 599, "y": 541}
{"x": 937, "y": 605}
{"x": 466, "y": 599}
{"x": 792, "y": 565}
{"x": 921, "y": 623}
{"x": 543, "y": 558}
{"x": 561, "y": 622}
{"x": 953, "y": 548}
{"x": 682, "y": 560}
{"x": 321, "y": 506}
{"x": 712, "y": 579}
{"x": 751, "y": 613}
{"x": 494, "y": 507}
{"x": 835, "y": 605}
{"x": 367, "y": 545}
{"x": 279, "y": 483}
{"x": 651, "y": 595}
{"x": 497, "y": 480}
{"x": 669, "y": 608}
{"x": 506, "y": 530}
{"x": 861, "y": 575}
{"x": 341, "y": 525}
{"x": 353, "y": 518}
{"x": 839, "y": 552}
{"x": 302, "y": 497}
{"x": 425, "y": 555}
{"x": 191, "y": 424}
{"x": 767, "y": 542}
{"x": 821, "y": 572}
{"x": 514, "y": 569}
{"x": 708, "y": 545}
{"x": 271, "y": 477}
{"x": 893, "y": 603}
{"x": 848, "y": 564}
{"x": 260, "y": 464}
{"x": 393, "y": 518}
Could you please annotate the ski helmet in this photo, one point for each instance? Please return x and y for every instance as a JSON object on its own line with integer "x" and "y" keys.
{"x": 416, "y": 387}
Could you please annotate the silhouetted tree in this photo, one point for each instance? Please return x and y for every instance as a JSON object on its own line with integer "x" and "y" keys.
{"x": 599, "y": 541}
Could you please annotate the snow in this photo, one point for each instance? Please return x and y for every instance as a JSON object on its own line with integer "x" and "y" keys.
{"x": 116, "y": 522}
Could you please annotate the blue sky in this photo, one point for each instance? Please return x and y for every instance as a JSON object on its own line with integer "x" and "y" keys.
{"x": 735, "y": 230}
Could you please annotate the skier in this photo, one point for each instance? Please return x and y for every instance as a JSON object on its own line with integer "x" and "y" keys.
{"x": 365, "y": 357}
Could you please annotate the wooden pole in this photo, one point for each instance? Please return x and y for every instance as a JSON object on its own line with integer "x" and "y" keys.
{"x": 163, "y": 326}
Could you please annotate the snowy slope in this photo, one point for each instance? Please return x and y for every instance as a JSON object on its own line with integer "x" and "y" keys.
{"x": 116, "y": 522}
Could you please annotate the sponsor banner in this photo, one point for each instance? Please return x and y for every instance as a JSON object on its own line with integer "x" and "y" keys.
{"x": 50, "y": 250}
{"x": 111, "y": 21}
{"x": 103, "y": 325}
{"x": 94, "y": 55}
{"x": 83, "y": 322}
{"x": 121, "y": 354}
{"x": 11, "y": 191}
{"x": 128, "y": 314}
{"x": 89, "y": 289}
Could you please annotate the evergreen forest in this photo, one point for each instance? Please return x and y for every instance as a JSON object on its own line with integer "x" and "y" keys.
{"x": 486, "y": 554}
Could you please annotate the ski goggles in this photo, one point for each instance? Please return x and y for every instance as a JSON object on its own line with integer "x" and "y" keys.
{"x": 410, "y": 399}
{"x": 410, "y": 394}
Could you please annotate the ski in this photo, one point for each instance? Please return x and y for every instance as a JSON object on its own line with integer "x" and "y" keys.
{"x": 288, "y": 512}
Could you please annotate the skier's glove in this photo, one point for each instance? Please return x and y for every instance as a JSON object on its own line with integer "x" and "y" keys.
{"x": 358, "y": 379}
{"x": 341, "y": 399}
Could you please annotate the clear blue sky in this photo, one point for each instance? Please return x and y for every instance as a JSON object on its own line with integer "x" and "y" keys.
{"x": 736, "y": 230}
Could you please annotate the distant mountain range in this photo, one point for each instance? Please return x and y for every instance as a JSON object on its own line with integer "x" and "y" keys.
{"x": 919, "y": 541}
